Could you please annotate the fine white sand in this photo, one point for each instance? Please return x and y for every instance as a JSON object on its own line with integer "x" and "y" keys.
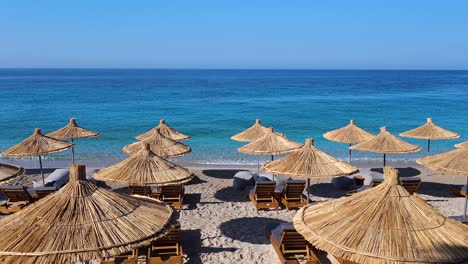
{"x": 220, "y": 225}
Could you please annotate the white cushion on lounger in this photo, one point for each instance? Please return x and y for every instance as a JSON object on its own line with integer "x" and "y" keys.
{"x": 58, "y": 178}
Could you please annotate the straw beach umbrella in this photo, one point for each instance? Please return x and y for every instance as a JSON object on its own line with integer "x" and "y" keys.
{"x": 271, "y": 143}
{"x": 166, "y": 131}
{"x": 256, "y": 131}
{"x": 81, "y": 222}
{"x": 386, "y": 143}
{"x": 309, "y": 162}
{"x": 37, "y": 145}
{"x": 73, "y": 131}
{"x": 462, "y": 145}
{"x": 383, "y": 225}
{"x": 159, "y": 145}
{"x": 454, "y": 162}
{"x": 9, "y": 171}
{"x": 430, "y": 131}
{"x": 349, "y": 134}
{"x": 143, "y": 169}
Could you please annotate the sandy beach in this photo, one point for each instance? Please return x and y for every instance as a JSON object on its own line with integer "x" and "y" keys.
{"x": 220, "y": 225}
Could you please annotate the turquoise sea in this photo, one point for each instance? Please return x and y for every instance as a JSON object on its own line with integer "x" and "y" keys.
{"x": 212, "y": 105}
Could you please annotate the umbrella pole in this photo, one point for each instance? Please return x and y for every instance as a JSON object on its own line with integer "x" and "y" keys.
{"x": 428, "y": 147}
{"x": 273, "y": 174}
{"x": 258, "y": 165}
{"x": 350, "y": 144}
{"x": 308, "y": 190}
{"x": 466, "y": 198}
{"x": 384, "y": 159}
{"x": 73, "y": 152}
{"x": 42, "y": 174}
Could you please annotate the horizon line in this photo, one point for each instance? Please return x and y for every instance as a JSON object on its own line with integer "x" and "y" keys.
{"x": 247, "y": 69}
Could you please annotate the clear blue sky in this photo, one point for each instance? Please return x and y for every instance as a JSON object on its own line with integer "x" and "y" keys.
{"x": 354, "y": 34}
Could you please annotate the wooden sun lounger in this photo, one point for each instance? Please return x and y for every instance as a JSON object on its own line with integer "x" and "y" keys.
{"x": 41, "y": 192}
{"x": 139, "y": 190}
{"x": 131, "y": 258}
{"x": 411, "y": 184}
{"x": 262, "y": 195}
{"x": 166, "y": 250}
{"x": 289, "y": 245}
{"x": 292, "y": 195}
{"x": 173, "y": 195}
{"x": 17, "y": 198}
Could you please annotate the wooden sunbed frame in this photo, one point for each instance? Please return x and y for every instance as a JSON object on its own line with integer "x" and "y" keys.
{"x": 42, "y": 192}
{"x": 264, "y": 196}
{"x": 17, "y": 199}
{"x": 173, "y": 195}
{"x": 166, "y": 250}
{"x": 291, "y": 245}
{"x": 292, "y": 196}
{"x": 411, "y": 185}
{"x": 139, "y": 190}
{"x": 131, "y": 258}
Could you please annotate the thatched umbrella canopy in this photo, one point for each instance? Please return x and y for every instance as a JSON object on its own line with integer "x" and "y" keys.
{"x": 160, "y": 145}
{"x": 386, "y": 143}
{"x": 309, "y": 162}
{"x": 8, "y": 171}
{"x": 383, "y": 225}
{"x": 37, "y": 145}
{"x": 430, "y": 131}
{"x": 349, "y": 134}
{"x": 143, "y": 169}
{"x": 81, "y": 222}
{"x": 73, "y": 131}
{"x": 454, "y": 162}
{"x": 271, "y": 143}
{"x": 256, "y": 131}
{"x": 462, "y": 145}
{"x": 165, "y": 130}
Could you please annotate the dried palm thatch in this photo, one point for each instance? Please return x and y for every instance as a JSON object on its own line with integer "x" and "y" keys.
{"x": 81, "y": 222}
{"x": 462, "y": 145}
{"x": 454, "y": 162}
{"x": 143, "y": 169}
{"x": 349, "y": 134}
{"x": 270, "y": 144}
{"x": 309, "y": 162}
{"x": 386, "y": 143}
{"x": 160, "y": 145}
{"x": 37, "y": 144}
{"x": 72, "y": 131}
{"x": 252, "y": 133}
{"x": 166, "y": 131}
{"x": 383, "y": 225}
{"x": 9, "y": 171}
{"x": 430, "y": 131}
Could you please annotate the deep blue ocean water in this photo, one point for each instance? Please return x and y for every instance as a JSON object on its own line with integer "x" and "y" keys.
{"x": 212, "y": 105}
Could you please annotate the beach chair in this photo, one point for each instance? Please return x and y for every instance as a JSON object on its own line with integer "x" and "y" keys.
{"x": 292, "y": 194}
{"x": 173, "y": 195}
{"x": 410, "y": 184}
{"x": 130, "y": 258}
{"x": 41, "y": 192}
{"x": 289, "y": 245}
{"x": 167, "y": 249}
{"x": 262, "y": 195}
{"x": 459, "y": 190}
{"x": 17, "y": 198}
{"x": 139, "y": 190}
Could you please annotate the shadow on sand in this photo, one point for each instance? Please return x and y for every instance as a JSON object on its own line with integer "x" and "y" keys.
{"x": 326, "y": 190}
{"x": 436, "y": 189}
{"x": 221, "y": 174}
{"x": 228, "y": 194}
{"x": 192, "y": 246}
{"x": 248, "y": 229}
